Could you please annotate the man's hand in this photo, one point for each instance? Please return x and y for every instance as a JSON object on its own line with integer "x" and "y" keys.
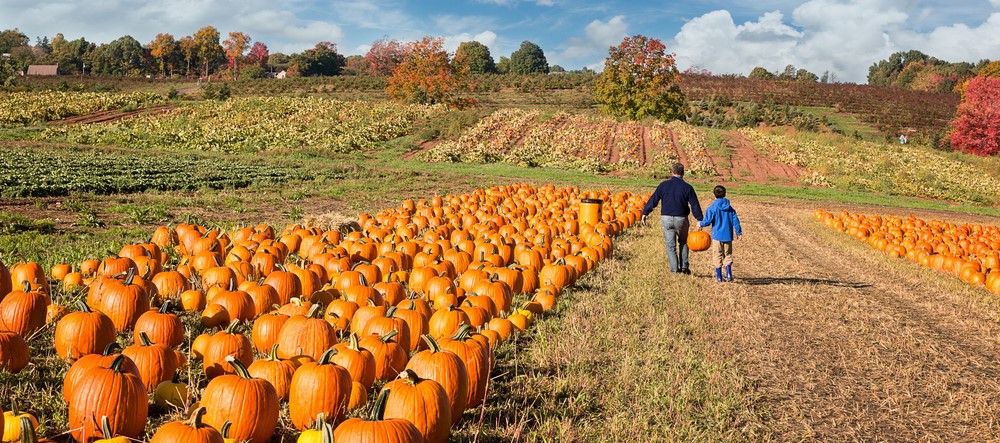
{"x": 644, "y": 218}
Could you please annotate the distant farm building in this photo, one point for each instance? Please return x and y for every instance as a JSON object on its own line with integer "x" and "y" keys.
{"x": 43, "y": 69}
{"x": 281, "y": 74}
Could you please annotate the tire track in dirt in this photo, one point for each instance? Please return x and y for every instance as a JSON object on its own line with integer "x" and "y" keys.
{"x": 112, "y": 115}
{"x": 845, "y": 346}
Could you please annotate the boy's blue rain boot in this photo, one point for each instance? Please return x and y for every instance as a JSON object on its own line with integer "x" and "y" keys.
{"x": 718, "y": 274}
{"x": 729, "y": 272}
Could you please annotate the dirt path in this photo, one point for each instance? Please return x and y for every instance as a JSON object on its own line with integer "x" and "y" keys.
{"x": 113, "y": 115}
{"x": 746, "y": 164}
{"x": 844, "y": 343}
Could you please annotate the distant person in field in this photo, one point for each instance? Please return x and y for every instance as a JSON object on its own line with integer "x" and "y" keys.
{"x": 721, "y": 216}
{"x": 677, "y": 199}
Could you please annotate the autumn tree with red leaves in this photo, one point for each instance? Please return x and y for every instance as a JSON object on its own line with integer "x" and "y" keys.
{"x": 976, "y": 128}
{"x": 426, "y": 75}
{"x": 384, "y": 56}
{"x": 640, "y": 80}
{"x": 258, "y": 54}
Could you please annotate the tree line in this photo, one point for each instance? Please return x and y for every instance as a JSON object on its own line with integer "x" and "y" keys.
{"x": 207, "y": 53}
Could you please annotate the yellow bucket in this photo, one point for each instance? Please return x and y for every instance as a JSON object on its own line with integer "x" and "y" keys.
{"x": 590, "y": 211}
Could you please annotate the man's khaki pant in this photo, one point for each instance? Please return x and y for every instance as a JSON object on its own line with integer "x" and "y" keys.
{"x": 722, "y": 253}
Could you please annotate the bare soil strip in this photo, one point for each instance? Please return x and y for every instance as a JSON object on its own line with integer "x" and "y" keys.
{"x": 112, "y": 115}
{"x": 845, "y": 343}
{"x": 746, "y": 164}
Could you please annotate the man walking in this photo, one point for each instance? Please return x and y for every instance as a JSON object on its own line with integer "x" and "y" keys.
{"x": 677, "y": 199}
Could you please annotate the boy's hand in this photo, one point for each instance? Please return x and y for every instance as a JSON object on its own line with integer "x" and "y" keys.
{"x": 739, "y": 237}
{"x": 644, "y": 218}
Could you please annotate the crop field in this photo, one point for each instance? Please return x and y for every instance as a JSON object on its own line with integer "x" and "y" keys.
{"x": 341, "y": 247}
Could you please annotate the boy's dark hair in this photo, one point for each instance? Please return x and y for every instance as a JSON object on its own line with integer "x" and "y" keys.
{"x": 719, "y": 191}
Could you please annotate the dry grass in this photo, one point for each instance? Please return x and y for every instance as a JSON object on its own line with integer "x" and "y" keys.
{"x": 822, "y": 339}
{"x": 848, "y": 344}
{"x": 625, "y": 359}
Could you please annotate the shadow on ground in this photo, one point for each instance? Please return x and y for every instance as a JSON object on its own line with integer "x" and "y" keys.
{"x": 761, "y": 281}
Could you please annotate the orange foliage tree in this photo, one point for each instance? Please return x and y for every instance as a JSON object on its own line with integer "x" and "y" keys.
{"x": 426, "y": 75}
{"x": 640, "y": 80}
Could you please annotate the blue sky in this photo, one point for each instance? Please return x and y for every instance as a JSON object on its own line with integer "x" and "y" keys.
{"x": 840, "y": 36}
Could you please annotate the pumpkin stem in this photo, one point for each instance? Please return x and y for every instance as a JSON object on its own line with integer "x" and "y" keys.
{"x": 463, "y": 332}
{"x": 391, "y": 312}
{"x": 313, "y": 310}
{"x": 106, "y": 427}
{"x": 319, "y": 422}
{"x": 111, "y": 348}
{"x": 364, "y": 281}
{"x": 232, "y": 284}
{"x": 26, "y": 285}
{"x": 241, "y": 369}
{"x": 388, "y": 336}
{"x": 83, "y": 306}
{"x": 116, "y": 364}
{"x": 410, "y": 376}
{"x": 378, "y": 413}
{"x": 354, "y": 342}
{"x": 225, "y": 428}
{"x": 195, "y": 421}
{"x": 130, "y": 276}
{"x": 325, "y": 358}
{"x": 431, "y": 343}
{"x": 273, "y": 355}
{"x": 27, "y": 430}
{"x": 165, "y": 307}
{"x": 232, "y": 326}
{"x": 144, "y": 339}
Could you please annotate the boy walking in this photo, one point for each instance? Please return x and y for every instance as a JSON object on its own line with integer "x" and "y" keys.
{"x": 723, "y": 219}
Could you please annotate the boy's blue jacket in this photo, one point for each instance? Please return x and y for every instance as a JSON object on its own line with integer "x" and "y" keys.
{"x": 723, "y": 219}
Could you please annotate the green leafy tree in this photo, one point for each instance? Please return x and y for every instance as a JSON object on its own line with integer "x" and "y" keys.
{"x": 476, "y": 57}
{"x": 640, "y": 80}
{"x": 12, "y": 38}
{"x": 528, "y": 59}
{"x": 69, "y": 54}
{"x": 426, "y": 75}
{"x": 188, "y": 51}
{"x": 206, "y": 40}
{"x": 803, "y": 75}
{"x": 788, "y": 73}
{"x": 323, "y": 59}
{"x": 124, "y": 56}
{"x": 760, "y": 73}
{"x": 503, "y": 65}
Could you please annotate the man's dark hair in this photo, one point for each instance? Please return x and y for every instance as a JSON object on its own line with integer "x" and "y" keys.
{"x": 719, "y": 191}
{"x": 677, "y": 169}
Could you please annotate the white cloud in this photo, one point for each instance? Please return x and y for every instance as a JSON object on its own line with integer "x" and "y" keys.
{"x": 488, "y": 38}
{"x": 844, "y": 37}
{"x": 995, "y": 3}
{"x": 598, "y": 37}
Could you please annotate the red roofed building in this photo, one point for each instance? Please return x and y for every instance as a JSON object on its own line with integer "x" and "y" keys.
{"x": 43, "y": 69}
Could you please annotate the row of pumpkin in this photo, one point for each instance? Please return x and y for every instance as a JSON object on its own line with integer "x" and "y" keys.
{"x": 971, "y": 252}
{"x": 416, "y": 297}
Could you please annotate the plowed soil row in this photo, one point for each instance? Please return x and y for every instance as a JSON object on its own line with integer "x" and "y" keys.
{"x": 112, "y": 115}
